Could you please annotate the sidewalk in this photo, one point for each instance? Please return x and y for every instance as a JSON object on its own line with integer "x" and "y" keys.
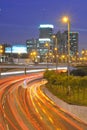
{"x": 77, "y": 111}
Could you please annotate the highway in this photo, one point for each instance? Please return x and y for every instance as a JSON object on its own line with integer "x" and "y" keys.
{"x": 24, "y": 106}
{"x": 6, "y": 70}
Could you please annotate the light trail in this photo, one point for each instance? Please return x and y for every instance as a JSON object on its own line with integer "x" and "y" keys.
{"x": 31, "y": 71}
{"x": 29, "y": 108}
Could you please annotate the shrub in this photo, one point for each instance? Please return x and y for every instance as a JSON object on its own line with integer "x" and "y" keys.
{"x": 71, "y": 89}
{"x": 49, "y": 73}
{"x": 78, "y": 72}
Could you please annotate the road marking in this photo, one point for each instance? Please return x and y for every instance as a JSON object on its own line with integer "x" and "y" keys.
{"x": 7, "y": 126}
{"x": 39, "y": 104}
{"x": 58, "y": 129}
{"x": 44, "y": 111}
{"x": 3, "y": 106}
{"x": 51, "y": 120}
{"x": 4, "y": 115}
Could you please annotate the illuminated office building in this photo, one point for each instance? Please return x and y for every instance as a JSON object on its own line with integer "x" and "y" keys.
{"x": 45, "y": 30}
{"x": 63, "y": 42}
{"x": 45, "y": 33}
{"x": 31, "y": 44}
{"x": 73, "y": 43}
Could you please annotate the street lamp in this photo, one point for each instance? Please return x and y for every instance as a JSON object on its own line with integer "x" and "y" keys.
{"x": 19, "y": 54}
{"x": 55, "y": 49}
{"x": 66, "y": 19}
{"x": 33, "y": 55}
{"x": 48, "y": 46}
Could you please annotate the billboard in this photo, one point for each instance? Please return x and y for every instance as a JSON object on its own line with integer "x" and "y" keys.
{"x": 19, "y": 49}
{"x": 7, "y": 49}
{"x": 16, "y": 49}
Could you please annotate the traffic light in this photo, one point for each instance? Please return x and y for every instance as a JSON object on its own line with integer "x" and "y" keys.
{"x": 2, "y": 49}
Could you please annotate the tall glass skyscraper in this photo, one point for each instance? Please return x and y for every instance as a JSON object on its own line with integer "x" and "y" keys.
{"x": 45, "y": 30}
{"x": 73, "y": 43}
{"x": 63, "y": 41}
{"x": 45, "y": 33}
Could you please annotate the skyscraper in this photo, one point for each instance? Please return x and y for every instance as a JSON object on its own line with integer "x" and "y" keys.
{"x": 73, "y": 43}
{"x": 45, "y": 33}
{"x": 31, "y": 44}
{"x": 45, "y": 30}
{"x": 63, "y": 42}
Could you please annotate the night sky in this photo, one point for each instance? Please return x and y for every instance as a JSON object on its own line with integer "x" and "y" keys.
{"x": 20, "y": 19}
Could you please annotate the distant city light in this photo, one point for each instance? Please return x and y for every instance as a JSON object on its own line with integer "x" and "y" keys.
{"x": 44, "y": 39}
{"x": 46, "y": 26}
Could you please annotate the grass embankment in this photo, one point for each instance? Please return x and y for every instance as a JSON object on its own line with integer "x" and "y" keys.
{"x": 72, "y": 89}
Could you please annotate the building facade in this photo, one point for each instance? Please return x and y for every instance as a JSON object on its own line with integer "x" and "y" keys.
{"x": 73, "y": 43}
{"x": 31, "y": 44}
{"x": 45, "y": 33}
{"x": 63, "y": 42}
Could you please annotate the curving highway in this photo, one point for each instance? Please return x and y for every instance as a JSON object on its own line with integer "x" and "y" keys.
{"x": 24, "y": 106}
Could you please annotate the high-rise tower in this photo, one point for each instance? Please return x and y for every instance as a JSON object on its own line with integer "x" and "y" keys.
{"x": 63, "y": 42}
{"x": 45, "y": 30}
{"x": 45, "y": 33}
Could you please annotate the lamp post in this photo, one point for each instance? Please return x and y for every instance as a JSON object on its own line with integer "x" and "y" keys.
{"x": 66, "y": 19}
{"x": 83, "y": 55}
{"x": 55, "y": 49}
{"x": 19, "y": 54}
{"x": 56, "y": 56}
{"x": 33, "y": 55}
{"x": 48, "y": 46}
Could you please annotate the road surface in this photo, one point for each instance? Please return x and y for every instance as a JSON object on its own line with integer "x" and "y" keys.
{"x": 23, "y": 106}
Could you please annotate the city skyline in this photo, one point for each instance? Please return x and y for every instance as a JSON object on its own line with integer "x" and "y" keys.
{"x": 19, "y": 20}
